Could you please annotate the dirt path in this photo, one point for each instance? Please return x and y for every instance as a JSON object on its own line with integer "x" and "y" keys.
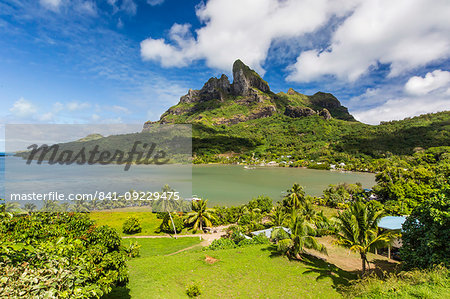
{"x": 207, "y": 239}
{"x": 351, "y": 261}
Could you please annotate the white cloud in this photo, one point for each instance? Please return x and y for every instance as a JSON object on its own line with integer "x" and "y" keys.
{"x": 155, "y": 2}
{"x": 405, "y": 34}
{"x": 120, "y": 109}
{"x": 87, "y": 7}
{"x": 243, "y": 29}
{"x": 46, "y": 117}
{"x": 74, "y": 106}
{"x": 129, "y": 6}
{"x": 432, "y": 81}
{"x": 51, "y": 4}
{"x": 423, "y": 95}
{"x": 23, "y": 108}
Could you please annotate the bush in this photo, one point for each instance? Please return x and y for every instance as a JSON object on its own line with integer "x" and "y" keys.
{"x": 222, "y": 243}
{"x": 132, "y": 250}
{"x": 131, "y": 226}
{"x": 426, "y": 233}
{"x": 193, "y": 291}
{"x": 47, "y": 255}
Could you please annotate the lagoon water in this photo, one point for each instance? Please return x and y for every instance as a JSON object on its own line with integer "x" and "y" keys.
{"x": 220, "y": 184}
{"x": 233, "y": 184}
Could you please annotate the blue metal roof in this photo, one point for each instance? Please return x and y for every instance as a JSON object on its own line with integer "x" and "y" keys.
{"x": 392, "y": 222}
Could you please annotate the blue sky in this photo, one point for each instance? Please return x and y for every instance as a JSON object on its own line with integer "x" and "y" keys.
{"x": 127, "y": 61}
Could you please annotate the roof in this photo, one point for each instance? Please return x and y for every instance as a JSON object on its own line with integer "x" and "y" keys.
{"x": 392, "y": 222}
{"x": 268, "y": 232}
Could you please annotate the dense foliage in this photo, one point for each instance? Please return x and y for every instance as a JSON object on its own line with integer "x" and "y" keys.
{"x": 421, "y": 177}
{"x": 60, "y": 255}
{"x": 426, "y": 233}
{"x": 311, "y": 140}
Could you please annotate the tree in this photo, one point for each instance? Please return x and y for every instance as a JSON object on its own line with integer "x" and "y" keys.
{"x": 278, "y": 216}
{"x": 13, "y": 207}
{"x": 200, "y": 215}
{"x": 301, "y": 236}
{"x": 426, "y": 233}
{"x": 358, "y": 230}
{"x": 30, "y": 207}
{"x": 264, "y": 203}
{"x": 295, "y": 197}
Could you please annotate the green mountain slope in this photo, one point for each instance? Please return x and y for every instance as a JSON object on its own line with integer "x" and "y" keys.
{"x": 246, "y": 118}
{"x": 247, "y": 98}
{"x": 246, "y": 121}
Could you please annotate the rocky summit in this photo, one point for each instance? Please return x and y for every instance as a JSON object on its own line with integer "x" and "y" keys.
{"x": 249, "y": 97}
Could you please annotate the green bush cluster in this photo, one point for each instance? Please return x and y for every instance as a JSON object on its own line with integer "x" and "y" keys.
{"x": 193, "y": 291}
{"x": 237, "y": 239}
{"x": 61, "y": 255}
{"x": 131, "y": 226}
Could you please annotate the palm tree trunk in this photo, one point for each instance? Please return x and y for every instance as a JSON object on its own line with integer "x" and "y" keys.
{"x": 173, "y": 225}
{"x": 201, "y": 224}
{"x": 363, "y": 259}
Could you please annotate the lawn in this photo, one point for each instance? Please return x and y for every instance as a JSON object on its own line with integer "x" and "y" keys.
{"x": 115, "y": 219}
{"x": 247, "y": 272}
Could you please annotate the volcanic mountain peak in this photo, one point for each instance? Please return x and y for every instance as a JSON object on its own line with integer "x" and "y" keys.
{"x": 248, "y": 97}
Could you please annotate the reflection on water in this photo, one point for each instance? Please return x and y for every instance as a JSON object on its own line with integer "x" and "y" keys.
{"x": 221, "y": 184}
{"x": 233, "y": 184}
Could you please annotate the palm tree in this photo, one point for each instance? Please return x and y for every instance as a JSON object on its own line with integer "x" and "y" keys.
{"x": 358, "y": 230}
{"x": 13, "y": 207}
{"x": 278, "y": 216}
{"x": 301, "y": 236}
{"x": 30, "y": 207}
{"x": 295, "y": 197}
{"x": 200, "y": 214}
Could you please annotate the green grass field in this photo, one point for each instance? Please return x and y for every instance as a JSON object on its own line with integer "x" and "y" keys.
{"x": 115, "y": 219}
{"x": 247, "y": 272}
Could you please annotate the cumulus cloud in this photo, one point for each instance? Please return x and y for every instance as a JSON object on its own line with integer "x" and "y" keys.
{"x": 242, "y": 30}
{"x": 51, "y": 4}
{"x": 422, "y": 95}
{"x": 432, "y": 81}
{"x": 23, "y": 108}
{"x": 404, "y": 34}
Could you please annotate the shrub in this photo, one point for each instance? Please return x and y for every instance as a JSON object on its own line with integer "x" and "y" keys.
{"x": 426, "y": 233}
{"x": 59, "y": 255}
{"x": 222, "y": 243}
{"x": 132, "y": 226}
{"x": 193, "y": 291}
{"x": 132, "y": 250}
